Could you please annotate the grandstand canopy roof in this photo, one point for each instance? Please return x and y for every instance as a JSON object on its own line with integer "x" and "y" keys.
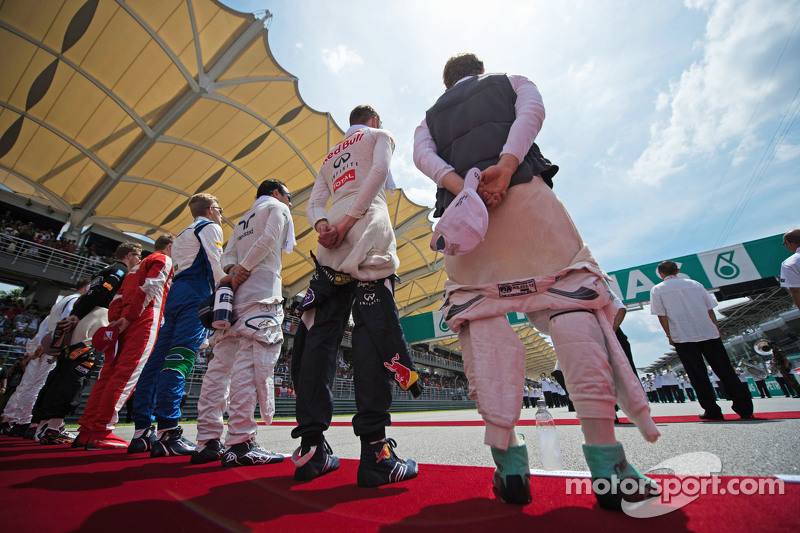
{"x": 114, "y": 112}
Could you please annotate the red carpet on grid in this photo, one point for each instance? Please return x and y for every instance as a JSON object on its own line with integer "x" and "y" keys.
{"x": 785, "y": 415}
{"x": 57, "y": 489}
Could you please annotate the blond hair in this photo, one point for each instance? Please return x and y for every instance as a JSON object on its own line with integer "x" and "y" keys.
{"x": 199, "y": 203}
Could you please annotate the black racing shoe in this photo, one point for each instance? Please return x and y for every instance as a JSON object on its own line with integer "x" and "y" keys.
{"x": 5, "y": 427}
{"x": 379, "y": 465}
{"x": 511, "y": 482}
{"x": 248, "y": 453}
{"x": 514, "y": 489}
{"x": 18, "y": 430}
{"x": 30, "y": 432}
{"x": 56, "y": 436}
{"x": 37, "y": 435}
{"x": 314, "y": 461}
{"x": 616, "y": 499}
{"x": 172, "y": 443}
{"x": 212, "y": 451}
{"x": 144, "y": 443}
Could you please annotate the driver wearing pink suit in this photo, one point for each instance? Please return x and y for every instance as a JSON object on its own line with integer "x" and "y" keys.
{"x": 532, "y": 260}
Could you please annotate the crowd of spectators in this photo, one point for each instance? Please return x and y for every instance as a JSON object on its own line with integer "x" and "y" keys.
{"x": 422, "y": 354}
{"x": 39, "y": 239}
{"x": 18, "y": 324}
{"x": 437, "y": 381}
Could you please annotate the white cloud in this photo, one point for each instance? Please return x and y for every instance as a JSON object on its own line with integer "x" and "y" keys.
{"x": 720, "y": 99}
{"x": 580, "y": 73}
{"x": 341, "y": 58}
{"x": 298, "y": 46}
{"x": 418, "y": 187}
{"x": 786, "y": 152}
{"x": 642, "y": 320}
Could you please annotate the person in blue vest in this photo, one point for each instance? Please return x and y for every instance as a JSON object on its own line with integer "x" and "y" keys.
{"x": 196, "y": 255}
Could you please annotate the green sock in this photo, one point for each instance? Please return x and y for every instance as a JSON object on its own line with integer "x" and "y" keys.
{"x": 608, "y": 461}
{"x": 513, "y": 461}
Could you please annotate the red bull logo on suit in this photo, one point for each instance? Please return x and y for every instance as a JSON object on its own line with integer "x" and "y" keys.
{"x": 404, "y": 376}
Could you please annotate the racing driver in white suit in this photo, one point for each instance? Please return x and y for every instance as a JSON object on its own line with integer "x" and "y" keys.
{"x": 246, "y": 353}
{"x": 18, "y": 411}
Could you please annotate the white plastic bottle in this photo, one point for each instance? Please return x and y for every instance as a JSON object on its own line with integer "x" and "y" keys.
{"x": 223, "y": 306}
{"x": 548, "y": 439}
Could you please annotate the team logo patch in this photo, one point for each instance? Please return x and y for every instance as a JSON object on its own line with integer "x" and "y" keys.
{"x": 350, "y": 175}
{"x": 342, "y": 279}
{"x": 120, "y": 273}
{"x": 404, "y": 376}
{"x": 108, "y": 286}
{"x": 516, "y": 288}
{"x": 344, "y": 145}
{"x": 341, "y": 160}
{"x": 308, "y": 298}
{"x": 261, "y": 322}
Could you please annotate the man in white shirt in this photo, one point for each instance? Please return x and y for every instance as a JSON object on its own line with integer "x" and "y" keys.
{"x": 547, "y": 390}
{"x": 533, "y": 394}
{"x": 686, "y": 313}
{"x": 687, "y": 386}
{"x": 674, "y": 385}
{"x": 790, "y": 268}
{"x": 715, "y": 383}
{"x": 658, "y": 384}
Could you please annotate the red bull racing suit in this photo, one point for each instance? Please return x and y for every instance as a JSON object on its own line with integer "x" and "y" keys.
{"x": 358, "y": 275}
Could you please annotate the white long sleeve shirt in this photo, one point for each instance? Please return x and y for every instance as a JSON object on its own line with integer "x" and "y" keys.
{"x": 354, "y": 176}
{"x": 186, "y": 247}
{"x": 530, "y": 117}
{"x": 256, "y": 245}
{"x": 58, "y": 312}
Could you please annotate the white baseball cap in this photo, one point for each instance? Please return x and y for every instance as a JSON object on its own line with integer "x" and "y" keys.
{"x": 463, "y": 225}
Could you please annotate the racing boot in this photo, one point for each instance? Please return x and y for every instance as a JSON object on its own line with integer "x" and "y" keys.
{"x": 144, "y": 443}
{"x": 81, "y": 440}
{"x": 379, "y": 465}
{"x": 609, "y": 463}
{"x": 30, "y": 432}
{"x": 106, "y": 441}
{"x": 249, "y": 453}
{"x": 18, "y": 430}
{"x": 312, "y": 460}
{"x": 56, "y": 436}
{"x": 212, "y": 451}
{"x": 5, "y": 427}
{"x": 171, "y": 443}
{"x": 512, "y": 477}
{"x": 41, "y": 428}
